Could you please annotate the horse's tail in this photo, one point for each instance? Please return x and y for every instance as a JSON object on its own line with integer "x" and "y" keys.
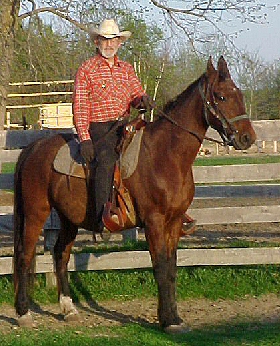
{"x": 19, "y": 216}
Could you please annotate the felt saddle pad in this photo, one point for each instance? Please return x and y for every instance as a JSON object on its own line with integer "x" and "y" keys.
{"x": 69, "y": 160}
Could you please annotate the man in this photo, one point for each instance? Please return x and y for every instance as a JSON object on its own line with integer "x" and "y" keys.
{"x": 105, "y": 89}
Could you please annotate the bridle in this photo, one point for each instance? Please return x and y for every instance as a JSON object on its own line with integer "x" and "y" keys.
{"x": 213, "y": 109}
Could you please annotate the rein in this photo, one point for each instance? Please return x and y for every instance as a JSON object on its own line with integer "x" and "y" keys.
{"x": 217, "y": 113}
{"x": 174, "y": 122}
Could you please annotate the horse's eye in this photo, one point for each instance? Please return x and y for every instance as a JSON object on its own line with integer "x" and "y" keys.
{"x": 219, "y": 97}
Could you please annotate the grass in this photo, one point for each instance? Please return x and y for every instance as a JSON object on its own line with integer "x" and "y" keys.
{"x": 192, "y": 283}
{"x": 208, "y": 282}
{"x": 9, "y": 167}
{"x": 248, "y": 333}
{"x": 236, "y": 160}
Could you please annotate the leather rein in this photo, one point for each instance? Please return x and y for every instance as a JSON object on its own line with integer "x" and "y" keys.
{"x": 217, "y": 113}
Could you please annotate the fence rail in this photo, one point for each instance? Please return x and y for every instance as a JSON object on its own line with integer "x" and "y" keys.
{"x": 141, "y": 259}
{"x": 205, "y": 216}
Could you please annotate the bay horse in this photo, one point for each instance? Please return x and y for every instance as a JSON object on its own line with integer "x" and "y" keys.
{"x": 162, "y": 188}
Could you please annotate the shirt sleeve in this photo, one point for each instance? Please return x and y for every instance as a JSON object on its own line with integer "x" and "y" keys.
{"x": 81, "y": 105}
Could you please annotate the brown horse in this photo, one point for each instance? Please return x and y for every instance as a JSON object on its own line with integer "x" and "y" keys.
{"x": 162, "y": 188}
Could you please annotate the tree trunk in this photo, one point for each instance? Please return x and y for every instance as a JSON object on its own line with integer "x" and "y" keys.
{"x": 9, "y": 10}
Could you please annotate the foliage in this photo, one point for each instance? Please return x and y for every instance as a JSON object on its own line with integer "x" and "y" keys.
{"x": 53, "y": 51}
{"x": 261, "y": 84}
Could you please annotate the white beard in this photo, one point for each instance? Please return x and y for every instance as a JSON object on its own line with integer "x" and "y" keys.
{"x": 108, "y": 53}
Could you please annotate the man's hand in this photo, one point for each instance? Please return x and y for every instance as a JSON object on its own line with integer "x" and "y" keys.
{"x": 87, "y": 151}
{"x": 146, "y": 103}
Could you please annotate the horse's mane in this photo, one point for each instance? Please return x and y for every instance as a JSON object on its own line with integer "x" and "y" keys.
{"x": 170, "y": 105}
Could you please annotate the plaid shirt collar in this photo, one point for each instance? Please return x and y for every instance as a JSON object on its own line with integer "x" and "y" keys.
{"x": 102, "y": 60}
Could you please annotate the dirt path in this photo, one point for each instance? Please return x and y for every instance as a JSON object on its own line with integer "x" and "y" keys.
{"x": 196, "y": 313}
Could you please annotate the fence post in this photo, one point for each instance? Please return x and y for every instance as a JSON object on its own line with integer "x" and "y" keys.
{"x": 130, "y": 234}
{"x": 8, "y": 119}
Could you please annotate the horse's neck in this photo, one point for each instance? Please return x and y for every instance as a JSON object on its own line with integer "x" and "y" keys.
{"x": 190, "y": 120}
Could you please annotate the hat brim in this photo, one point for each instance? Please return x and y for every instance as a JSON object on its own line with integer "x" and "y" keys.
{"x": 123, "y": 35}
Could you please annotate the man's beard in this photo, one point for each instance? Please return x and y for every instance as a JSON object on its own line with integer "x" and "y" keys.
{"x": 108, "y": 53}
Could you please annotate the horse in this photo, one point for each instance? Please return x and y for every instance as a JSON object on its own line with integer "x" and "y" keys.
{"x": 162, "y": 188}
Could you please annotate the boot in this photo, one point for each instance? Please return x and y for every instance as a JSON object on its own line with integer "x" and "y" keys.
{"x": 188, "y": 225}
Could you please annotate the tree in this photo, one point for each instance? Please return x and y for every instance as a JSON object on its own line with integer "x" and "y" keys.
{"x": 190, "y": 19}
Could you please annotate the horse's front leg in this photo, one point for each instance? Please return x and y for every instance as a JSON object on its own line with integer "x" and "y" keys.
{"x": 62, "y": 252}
{"x": 163, "y": 242}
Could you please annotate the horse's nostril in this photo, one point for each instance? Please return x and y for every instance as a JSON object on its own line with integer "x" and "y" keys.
{"x": 245, "y": 139}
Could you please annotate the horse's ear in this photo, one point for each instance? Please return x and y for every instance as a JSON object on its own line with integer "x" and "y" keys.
{"x": 210, "y": 67}
{"x": 223, "y": 69}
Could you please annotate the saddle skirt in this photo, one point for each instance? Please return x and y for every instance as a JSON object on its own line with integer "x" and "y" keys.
{"x": 119, "y": 214}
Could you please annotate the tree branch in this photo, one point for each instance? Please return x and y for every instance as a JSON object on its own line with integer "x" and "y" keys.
{"x": 58, "y": 12}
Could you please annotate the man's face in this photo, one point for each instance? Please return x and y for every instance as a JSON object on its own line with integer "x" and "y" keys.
{"x": 108, "y": 47}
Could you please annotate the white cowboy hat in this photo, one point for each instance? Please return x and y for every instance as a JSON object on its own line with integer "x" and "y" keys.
{"x": 109, "y": 29}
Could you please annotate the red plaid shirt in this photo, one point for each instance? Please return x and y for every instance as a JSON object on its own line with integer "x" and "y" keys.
{"x": 102, "y": 93}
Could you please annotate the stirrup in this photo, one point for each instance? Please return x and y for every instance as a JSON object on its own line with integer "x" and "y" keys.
{"x": 112, "y": 218}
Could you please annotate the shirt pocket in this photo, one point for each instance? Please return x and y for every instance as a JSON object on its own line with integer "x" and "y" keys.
{"x": 123, "y": 84}
{"x": 100, "y": 90}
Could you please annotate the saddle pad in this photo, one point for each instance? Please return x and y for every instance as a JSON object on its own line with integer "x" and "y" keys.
{"x": 129, "y": 159}
{"x": 69, "y": 161}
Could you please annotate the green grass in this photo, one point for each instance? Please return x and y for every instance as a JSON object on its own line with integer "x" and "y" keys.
{"x": 192, "y": 283}
{"x": 237, "y": 334}
{"x": 9, "y": 167}
{"x": 236, "y": 160}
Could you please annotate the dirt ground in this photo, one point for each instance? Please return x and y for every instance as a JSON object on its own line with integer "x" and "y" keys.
{"x": 196, "y": 313}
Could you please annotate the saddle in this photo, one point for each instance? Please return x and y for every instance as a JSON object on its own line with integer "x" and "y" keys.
{"x": 119, "y": 212}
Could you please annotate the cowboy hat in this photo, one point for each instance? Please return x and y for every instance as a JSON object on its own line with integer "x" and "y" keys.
{"x": 109, "y": 29}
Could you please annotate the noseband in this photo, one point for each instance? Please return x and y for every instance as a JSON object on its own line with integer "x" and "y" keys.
{"x": 213, "y": 108}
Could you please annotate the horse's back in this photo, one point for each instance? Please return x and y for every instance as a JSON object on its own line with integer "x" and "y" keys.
{"x": 34, "y": 168}
{"x": 42, "y": 151}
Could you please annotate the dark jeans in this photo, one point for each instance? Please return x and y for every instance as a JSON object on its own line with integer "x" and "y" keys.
{"x": 105, "y": 137}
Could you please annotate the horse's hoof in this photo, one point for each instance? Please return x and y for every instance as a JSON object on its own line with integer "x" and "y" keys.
{"x": 177, "y": 329}
{"x": 72, "y": 317}
{"x": 26, "y": 321}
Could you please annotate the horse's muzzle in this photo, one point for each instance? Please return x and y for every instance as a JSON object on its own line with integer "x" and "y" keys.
{"x": 243, "y": 141}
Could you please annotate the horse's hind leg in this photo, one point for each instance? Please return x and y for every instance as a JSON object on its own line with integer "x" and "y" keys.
{"x": 62, "y": 250}
{"x": 24, "y": 252}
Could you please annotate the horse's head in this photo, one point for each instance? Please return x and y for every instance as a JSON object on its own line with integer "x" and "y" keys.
{"x": 224, "y": 107}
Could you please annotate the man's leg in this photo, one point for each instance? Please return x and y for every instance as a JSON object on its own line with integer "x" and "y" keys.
{"x": 105, "y": 137}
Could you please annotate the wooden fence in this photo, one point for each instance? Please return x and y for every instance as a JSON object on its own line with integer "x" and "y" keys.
{"x": 41, "y": 96}
{"x": 191, "y": 257}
